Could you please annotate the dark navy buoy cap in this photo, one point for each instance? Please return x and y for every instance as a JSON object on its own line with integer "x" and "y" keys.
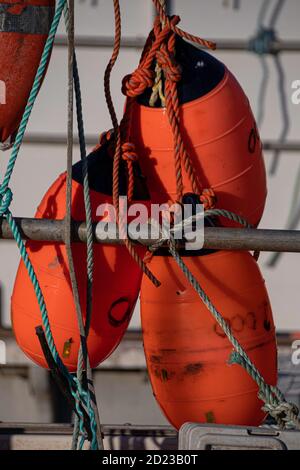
{"x": 201, "y": 73}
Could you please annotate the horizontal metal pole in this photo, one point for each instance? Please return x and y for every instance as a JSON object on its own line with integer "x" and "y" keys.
{"x": 60, "y": 139}
{"x": 56, "y": 139}
{"x": 215, "y": 238}
{"x": 107, "y": 429}
{"x": 271, "y": 145}
{"x": 236, "y": 45}
{"x": 135, "y": 42}
{"x": 136, "y": 336}
{"x": 138, "y": 42}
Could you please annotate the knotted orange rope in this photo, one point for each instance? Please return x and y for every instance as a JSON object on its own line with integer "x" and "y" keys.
{"x": 123, "y": 147}
{"x": 160, "y": 47}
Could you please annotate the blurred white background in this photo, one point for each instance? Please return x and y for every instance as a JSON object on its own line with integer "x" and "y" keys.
{"x": 39, "y": 165}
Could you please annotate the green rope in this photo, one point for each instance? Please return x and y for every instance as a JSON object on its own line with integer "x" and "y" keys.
{"x": 286, "y": 414}
{"x": 33, "y": 94}
{"x": 80, "y": 396}
{"x": 5, "y": 192}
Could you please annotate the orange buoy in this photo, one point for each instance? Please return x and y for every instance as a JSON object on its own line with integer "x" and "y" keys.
{"x": 186, "y": 350}
{"x": 117, "y": 277}
{"x": 24, "y": 27}
{"x": 219, "y": 131}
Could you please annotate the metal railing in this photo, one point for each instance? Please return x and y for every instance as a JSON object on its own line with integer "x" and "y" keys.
{"x": 138, "y": 42}
{"x": 216, "y": 238}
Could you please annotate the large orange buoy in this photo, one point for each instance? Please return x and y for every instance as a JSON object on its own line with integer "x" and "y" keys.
{"x": 186, "y": 350}
{"x": 117, "y": 276}
{"x": 24, "y": 27}
{"x": 219, "y": 131}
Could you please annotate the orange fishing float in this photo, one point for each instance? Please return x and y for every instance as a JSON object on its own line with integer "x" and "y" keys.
{"x": 117, "y": 277}
{"x": 187, "y": 352}
{"x": 24, "y": 28}
{"x": 218, "y": 130}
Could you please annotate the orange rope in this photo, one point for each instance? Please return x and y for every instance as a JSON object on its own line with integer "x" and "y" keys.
{"x": 125, "y": 149}
{"x": 160, "y": 46}
{"x": 190, "y": 37}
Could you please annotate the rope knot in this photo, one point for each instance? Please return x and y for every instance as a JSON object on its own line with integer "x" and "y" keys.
{"x": 167, "y": 62}
{"x": 5, "y": 200}
{"x": 128, "y": 152}
{"x": 105, "y": 137}
{"x": 208, "y": 198}
{"x": 160, "y": 30}
{"x": 283, "y": 412}
{"x": 136, "y": 83}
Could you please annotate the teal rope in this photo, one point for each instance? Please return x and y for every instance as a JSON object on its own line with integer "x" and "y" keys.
{"x": 228, "y": 215}
{"x": 5, "y": 192}
{"x": 33, "y": 94}
{"x": 75, "y": 387}
{"x": 80, "y": 395}
{"x": 285, "y": 413}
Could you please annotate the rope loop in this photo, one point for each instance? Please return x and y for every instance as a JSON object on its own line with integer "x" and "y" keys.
{"x": 129, "y": 153}
{"x": 105, "y": 137}
{"x": 208, "y": 199}
{"x": 143, "y": 77}
{"x": 136, "y": 83}
{"x": 6, "y": 197}
{"x": 167, "y": 62}
{"x": 162, "y": 32}
{"x": 283, "y": 412}
{"x": 173, "y": 26}
{"x": 160, "y": 48}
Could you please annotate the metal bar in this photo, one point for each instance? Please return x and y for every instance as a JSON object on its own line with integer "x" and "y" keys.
{"x": 292, "y": 146}
{"x": 245, "y": 45}
{"x": 215, "y": 238}
{"x": 130, "y": 336}
{"x": 56, "y": 139}
{"x": 138, "y": 42}
{"x": 108, "y": 430}
{"x": 60, "y": 139}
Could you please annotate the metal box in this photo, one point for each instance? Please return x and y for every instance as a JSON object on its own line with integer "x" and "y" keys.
{"x": 194, "y": 436}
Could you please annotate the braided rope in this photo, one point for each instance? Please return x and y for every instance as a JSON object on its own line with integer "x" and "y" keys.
{"x": 77, "y": 392}
{"x": 33, "y": 94}
{"x": 286, "y": 414}
{"x": 157, "y": 89}
{"x": 160, "y": 47}
{"x": 92, "y": 411}
{"x": 180, "y": 32}
{"x": 130, "y": 155}
{"x": 83, "y": 359}
{"x": 80, "y": 396}
{"x": 194, "y": 218}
